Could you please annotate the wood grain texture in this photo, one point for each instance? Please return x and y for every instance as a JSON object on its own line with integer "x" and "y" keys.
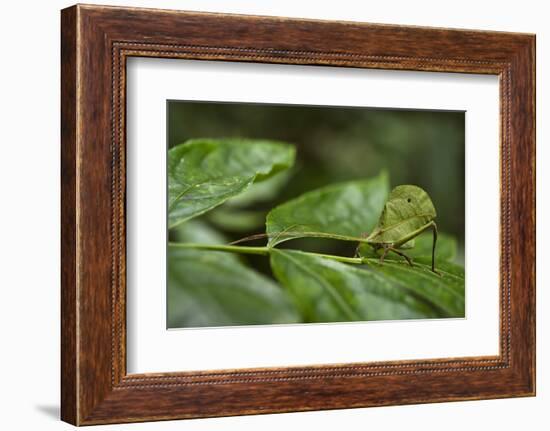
{"x": 96, "y": 41}
{"x": 68, "y": 218}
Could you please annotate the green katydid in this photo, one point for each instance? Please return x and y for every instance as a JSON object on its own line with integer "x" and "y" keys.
{"x": 407, "y": 213}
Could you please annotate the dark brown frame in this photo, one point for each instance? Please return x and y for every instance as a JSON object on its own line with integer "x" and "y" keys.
{"x": 95, "y": 42}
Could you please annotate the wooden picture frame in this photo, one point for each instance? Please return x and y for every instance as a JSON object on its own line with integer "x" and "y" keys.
{"x": 95, "y": 43}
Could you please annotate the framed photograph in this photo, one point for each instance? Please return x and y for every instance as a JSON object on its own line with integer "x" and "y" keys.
{"x": 264, "y": 214}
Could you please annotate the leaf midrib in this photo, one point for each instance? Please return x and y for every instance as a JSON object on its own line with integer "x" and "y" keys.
{"x": 333, "y": 292}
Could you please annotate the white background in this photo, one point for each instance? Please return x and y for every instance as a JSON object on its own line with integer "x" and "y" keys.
{"x": 29, "y": 227}
{"x": 151, "y": 348}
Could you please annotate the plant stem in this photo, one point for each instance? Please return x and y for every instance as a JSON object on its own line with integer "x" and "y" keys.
{"x": 263, "y": 251}
{"x": 345, "y": 259}
{"x": 221, "y": 247}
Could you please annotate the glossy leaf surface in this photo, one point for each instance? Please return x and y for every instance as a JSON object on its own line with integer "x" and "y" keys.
{"x": 208, "y": 288}
{"x": 330, "y": 291}
{"x": 203, "y": 174}
{"x": 340, "y": 211}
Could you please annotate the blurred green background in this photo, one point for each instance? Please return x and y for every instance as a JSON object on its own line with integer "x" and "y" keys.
{"x": 425, "y": 148}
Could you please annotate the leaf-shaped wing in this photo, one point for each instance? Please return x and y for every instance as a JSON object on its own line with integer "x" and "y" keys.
{"x": 407, "y": 209}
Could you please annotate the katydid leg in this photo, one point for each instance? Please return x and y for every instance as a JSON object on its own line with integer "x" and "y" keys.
{"x": 400, "y": 253}
{"x": 434, "y": 230}
{"x": 384, "y": 253}
{"x": 431, "y": 225}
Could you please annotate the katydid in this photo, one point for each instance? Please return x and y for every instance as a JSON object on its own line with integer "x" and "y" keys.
{"x": 407, "y": 213}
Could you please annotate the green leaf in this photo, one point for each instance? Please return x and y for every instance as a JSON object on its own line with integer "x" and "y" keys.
{"x": 197, "y": 231}
{"x": 235, "y": 219}
{"x": 329, "y": 291}
{"x": 422, "y": 250}
{"x": 445, "y": 291}
{"x": 341, "y": 211}
{"x": 263, "y": 191}
{"x": 204, "y": 173}
{"x": 207, "y": 288}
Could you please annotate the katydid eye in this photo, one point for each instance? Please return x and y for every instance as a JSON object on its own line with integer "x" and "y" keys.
{"x": 409, "y": 200}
